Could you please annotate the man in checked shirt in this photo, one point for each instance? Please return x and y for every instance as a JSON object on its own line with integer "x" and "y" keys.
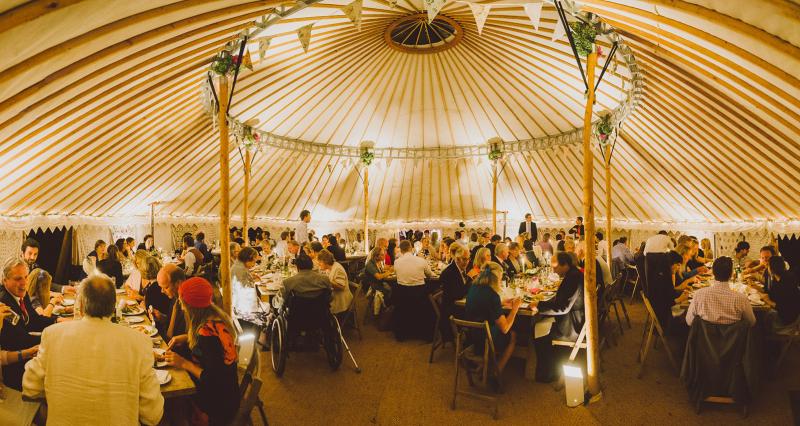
{"x": 719, "y": 304}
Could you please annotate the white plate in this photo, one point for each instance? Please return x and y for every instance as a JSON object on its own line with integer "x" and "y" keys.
{"x": 68, "y": 302}
{"x": 163, "y": 377}
{"x": 133, "y": 320}
{"x": 120, "y": 291}
{"x": 754, "y": 298}
{"x": 138, "y": 311}
{"x": 148, "y": 330}
{"x": 160, "y": 352}
{"x": 758, "y": 303}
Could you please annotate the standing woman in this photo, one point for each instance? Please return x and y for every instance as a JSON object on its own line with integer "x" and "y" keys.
{"x": 211, "y": 340}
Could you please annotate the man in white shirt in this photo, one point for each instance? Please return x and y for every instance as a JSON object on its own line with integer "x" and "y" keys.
{"x": 622, "y": 252}
{"x": 282, "y": 247}
{"x": 301, "y": 232}
{"x": 93, "y": 371}
{"x": 412, "y": 316}
{"x": 602, "y": 245}
{"x": 659, "y": 243}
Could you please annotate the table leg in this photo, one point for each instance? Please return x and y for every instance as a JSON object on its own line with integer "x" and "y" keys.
{"x": 530, "y": 361}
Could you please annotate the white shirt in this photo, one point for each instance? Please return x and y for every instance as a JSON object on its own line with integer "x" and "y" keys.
{"x": 188, "y": 262}
{"x": 301, "y": 232}
{"x": 658, "y": 243}
{"x": 281, "y": 248}
{"x": 602, "y": 249}
{"x": 341, "y": 298}
{"x": 411, "y": 270}
{"x": 134, "y": 280}
{"x": 92, "y": 371}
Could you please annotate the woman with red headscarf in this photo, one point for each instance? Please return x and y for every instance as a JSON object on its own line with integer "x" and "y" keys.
{"x": 211, "y": 340}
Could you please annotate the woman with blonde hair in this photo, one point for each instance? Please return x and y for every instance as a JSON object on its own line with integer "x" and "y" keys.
{"x": 483, "y": 304}
{"x": 482, "y": 256}
{"x": 133, "y": 284}
{"x": 211, "y": 341}
{"x": 38, "y": 290}
{"x": 705, "y": 250}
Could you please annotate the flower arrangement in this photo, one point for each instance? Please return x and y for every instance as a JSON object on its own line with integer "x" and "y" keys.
{"x": 367, "y": 157}
{"x": 495, "y": 154}
{"x": 249, "y": 136}
{"x": 224, "y": 63}
{"x": 584, "y": 34}
{"x": 604, "y": 128}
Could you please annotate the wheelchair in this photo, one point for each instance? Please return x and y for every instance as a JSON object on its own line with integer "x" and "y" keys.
{"x": 295, "y": 314}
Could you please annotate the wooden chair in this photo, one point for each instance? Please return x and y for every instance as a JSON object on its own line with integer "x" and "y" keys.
{"x": 249, "y": 401}
{"x": 577, "y": 345}
{"x": 438, "y": 340}
{"x": 351, "y": 314}
{"x": 465, "y": 359}
{"x": 651, "y": 324}
{"x": 787, "y": 335}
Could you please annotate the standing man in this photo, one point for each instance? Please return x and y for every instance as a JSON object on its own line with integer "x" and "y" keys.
{"x": 529, "y": 226}
{"x": 578, "y": 230}
{"x": 301, "y": 232}
{"x": 410, "y": 296}
{"x": 30, "y": 253}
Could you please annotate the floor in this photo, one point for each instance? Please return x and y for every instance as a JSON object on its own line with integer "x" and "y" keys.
{"x": 398, "y": 386}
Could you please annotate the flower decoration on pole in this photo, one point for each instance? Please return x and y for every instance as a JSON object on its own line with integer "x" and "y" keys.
{"x": 584, "y": 33}
{"x": 495, "y": 149}
{"x": 250, "y": 137}
{"x": 367, "y": 155}
{"x": 604, "y": 128}
{"x": 224, "y": 63}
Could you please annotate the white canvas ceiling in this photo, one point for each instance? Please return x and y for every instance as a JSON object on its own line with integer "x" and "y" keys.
{"x": 100, "y": 111}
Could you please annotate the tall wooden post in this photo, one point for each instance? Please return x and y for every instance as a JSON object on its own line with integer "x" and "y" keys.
{"x": 153, "y": 221}
{"x": 608, "y": 201}
{"x": 494, "y": 197}
{"x": 224, "y": 195}
{"x": 247, "y": 156}
{"x": 366, "y": 209}
{"x": 590, "y": 282}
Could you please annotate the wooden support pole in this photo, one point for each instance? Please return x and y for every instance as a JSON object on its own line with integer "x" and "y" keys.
{"x": 608, "y": 201}
{"x": 224, "y": 195}
{"x": 366, "y": 209}
{"x": 247, "y": 157}
{"x": 494, "y": 197}
{"x": 153, "y": 221}
{"x": 590, "y": 281}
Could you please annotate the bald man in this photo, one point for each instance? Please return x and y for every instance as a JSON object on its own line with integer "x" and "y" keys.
{"x": 170, "y": 324}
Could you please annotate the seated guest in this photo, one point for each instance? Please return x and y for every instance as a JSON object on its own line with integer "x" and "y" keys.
{"x": 686, "y": 276}
{"x": 282, "y": 247}
{"x": 516, "y": 262}
{"x": 191, "y": 256}
{"x": 30, "y": 253}
{"x": 501, "y": 258}
{"x": 211, "y": 340}
{"x": 152, "y": 295}
{"x": 148, "y": 244}
{"x": 133, "y": 284}
{"x": 391, "y": 252}
{"x": 480, "y": 258}
{"x": 42, "y": 300}
{"x": 659, "y": 243}
{"x": 292, "y": 250}
{"x": 336, "y": 249}
{"x": 759, "y": 271}
{"x": 92, "y": 370}
{"x": 569, "y": 245}
{"x": 411, "y": 295}
{"x": 622, "y": 252}
{"x": 172, "y": 323}
{"x": 111, "y": 266}
{"x": 307, "y": 282}
{"x": 338, "y": 277}
{"x": 705, "y": 250}
{"x": 719, "y": 304}
{"x": 16, "y": 338}
{"x": 375, "y": 273}
{"x": 566, "y": 308}
{"x": 784, "y": 292}
{"x": 267, "y": 255}
{"x": 425, "y": 250}
{"x": 741, "y": 254}
{"x": 483, "y": 240}
{"x": 483, "y": 304}
{"x": 130, "y": 246}
{"x": 493, "y": 242}
{"x": 94, "y": 256}
{"x": 202, "y": 247}
{"x": 545, "y": 244}
{"x": 120, "y": 244}
{"x": 243, "y": 283}
{"x": 234, "y": 248}
{"x": 602, "y": 246}
{"x": 455, "y": 284}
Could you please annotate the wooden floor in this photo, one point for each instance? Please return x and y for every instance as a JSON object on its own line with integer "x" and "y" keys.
{"x": 399, "y": 387}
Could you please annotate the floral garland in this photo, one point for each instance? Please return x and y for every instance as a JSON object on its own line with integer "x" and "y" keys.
{"x": 249, "y": 137}
{"x": 224, "y": 63}
{"x": 367, "y": 157}
{"x": 584, "y": 34}
{"x": 495, "y": 154}
{"x": 604, "y": 128}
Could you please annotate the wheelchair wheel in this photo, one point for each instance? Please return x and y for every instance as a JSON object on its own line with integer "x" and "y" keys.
{"x": 333, "y": 345}
{"x": 278, "y": 346}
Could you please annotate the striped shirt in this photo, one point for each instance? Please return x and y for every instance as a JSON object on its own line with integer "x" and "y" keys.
{"x": 719, "y": 304}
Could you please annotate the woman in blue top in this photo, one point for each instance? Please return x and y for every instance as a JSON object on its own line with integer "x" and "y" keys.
{"x": 483, "y": 304}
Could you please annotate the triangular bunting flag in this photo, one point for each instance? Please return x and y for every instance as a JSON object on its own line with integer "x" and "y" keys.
{"x": 353, "y": 11}
{"x": 534, "y": 12}
{"x": 247, "y": 61}
{"x": 480, "y": 12}
{"x": 263, "y": 45}
{"x": 433, "y": 7}
{"x": 559, "y": 31}
{"x": 304, "y": 34}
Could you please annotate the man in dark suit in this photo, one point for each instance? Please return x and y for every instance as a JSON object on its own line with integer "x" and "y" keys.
{"x": 578, "y": 230}
{"x": 530, "y": 227}
{"x": 455, "y": 284}
{"x": 15, "y": 339}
